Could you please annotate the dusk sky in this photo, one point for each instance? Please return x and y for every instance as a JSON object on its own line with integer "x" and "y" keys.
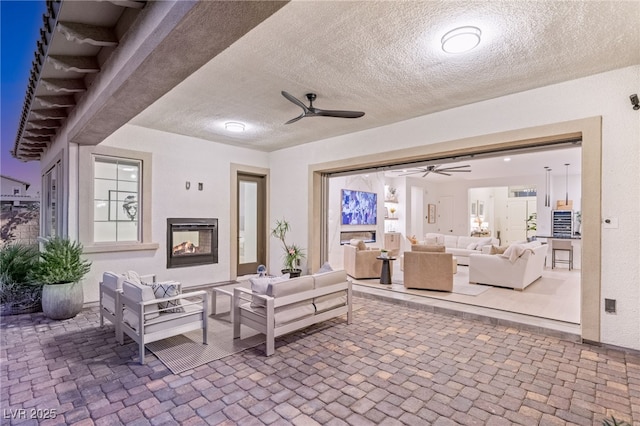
{"x": 20, "y": 26}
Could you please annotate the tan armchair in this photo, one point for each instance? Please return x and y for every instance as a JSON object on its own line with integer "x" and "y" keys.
{"x": 428, "y": 268}
{"x": 360, "y": 261}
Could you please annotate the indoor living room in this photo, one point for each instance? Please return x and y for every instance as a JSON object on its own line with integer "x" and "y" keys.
{"x": 476, "y": 197}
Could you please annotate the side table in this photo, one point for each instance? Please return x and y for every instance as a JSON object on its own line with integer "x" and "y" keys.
{"x": 385, "y": 273}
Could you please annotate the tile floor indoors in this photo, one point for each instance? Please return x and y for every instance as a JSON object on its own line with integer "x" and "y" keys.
{"x": 393, "y": 365}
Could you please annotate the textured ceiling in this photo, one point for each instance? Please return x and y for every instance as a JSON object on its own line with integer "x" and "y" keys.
{"x": 385, "y": 58}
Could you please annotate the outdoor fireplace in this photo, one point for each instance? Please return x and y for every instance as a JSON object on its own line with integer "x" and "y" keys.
{"x": 191, "y": 242}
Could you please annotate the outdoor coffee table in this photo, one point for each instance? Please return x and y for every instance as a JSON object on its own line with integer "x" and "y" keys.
{"x": 385, "y": 274}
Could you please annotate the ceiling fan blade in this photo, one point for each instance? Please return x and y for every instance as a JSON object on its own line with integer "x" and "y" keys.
{"x": 427, "y": 172}
{"x": 440, "y": 172}
{"x": 454, "y": 168}
{"x": 295, "y": 101}
{"x": 337, "y": 113}
{"x": 293, "y": 120}
{"x": 449, "y": 170}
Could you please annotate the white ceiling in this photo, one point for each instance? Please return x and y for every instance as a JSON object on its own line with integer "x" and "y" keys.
{"x": 523, "y": 164}
{"x": 385, "y": 58}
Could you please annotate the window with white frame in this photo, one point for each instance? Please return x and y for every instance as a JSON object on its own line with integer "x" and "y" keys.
{"x": 116, "y": 198}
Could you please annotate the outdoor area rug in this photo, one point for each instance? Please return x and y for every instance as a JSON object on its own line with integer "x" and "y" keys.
{"x": 186, "y": 351}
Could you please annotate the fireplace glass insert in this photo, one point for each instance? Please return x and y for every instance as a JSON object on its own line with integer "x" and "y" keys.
{"x": 191, "y": 241}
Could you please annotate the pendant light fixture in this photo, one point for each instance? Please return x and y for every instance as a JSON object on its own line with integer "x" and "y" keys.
{"x": 546, "y": 186}
{"x": 566, "y": 185}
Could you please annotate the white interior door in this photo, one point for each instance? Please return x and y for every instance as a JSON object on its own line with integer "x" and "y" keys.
{"x": 445, "y": 214}
{"x": 516, "y": 222}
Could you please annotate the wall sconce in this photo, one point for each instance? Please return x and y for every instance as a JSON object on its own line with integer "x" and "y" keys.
{"x": 187, "y": 185}
{"x": 634, "y": 101}
{"x": 200, "y": 186}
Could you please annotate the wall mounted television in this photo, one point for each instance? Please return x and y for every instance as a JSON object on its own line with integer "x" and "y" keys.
{"x": 359, "y": 207}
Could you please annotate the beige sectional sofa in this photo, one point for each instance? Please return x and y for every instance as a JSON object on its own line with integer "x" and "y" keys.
{"x": 519, "y": 266}
{"x": 459, "y": 246}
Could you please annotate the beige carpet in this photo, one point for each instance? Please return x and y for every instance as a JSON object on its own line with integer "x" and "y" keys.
{"x": 185, "y": 352}
{"x": 556, "y": 295}
{"x": 398, "y": 284}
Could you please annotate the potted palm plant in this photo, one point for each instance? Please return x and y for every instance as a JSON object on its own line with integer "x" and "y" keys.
{"x": 60, "y": 272}
{"x": 292, "y": 252}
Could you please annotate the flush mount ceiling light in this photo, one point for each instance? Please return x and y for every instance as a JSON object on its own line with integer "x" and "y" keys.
{"x": 234, "y": 126}
{"x": 461, "y": 39}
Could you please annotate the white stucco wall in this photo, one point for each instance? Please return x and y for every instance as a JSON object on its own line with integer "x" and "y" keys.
{"x": 605, "y": 95}
{"x": 177, "y": 159}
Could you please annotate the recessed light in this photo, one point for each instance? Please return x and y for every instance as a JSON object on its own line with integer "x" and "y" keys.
{"x": 461, "y": 39}
{"x": 506, "y": 159}
{"x": 234, "y": 126}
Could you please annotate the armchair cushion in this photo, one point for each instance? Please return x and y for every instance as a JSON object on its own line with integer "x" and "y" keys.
{"x": 139, "y": 293}
{"x": 112, "y": 282}
{"x": 359, "y": 244}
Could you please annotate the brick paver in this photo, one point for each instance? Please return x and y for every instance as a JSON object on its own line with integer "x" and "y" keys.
{"x": 394, "y": 365}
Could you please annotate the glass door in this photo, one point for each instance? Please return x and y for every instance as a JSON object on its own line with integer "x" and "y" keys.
{"x": 251, "y": 223}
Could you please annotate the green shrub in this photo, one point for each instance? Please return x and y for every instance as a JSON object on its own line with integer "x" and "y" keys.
{"x": 16, "y": 262}
{"x": 60, "y": 263}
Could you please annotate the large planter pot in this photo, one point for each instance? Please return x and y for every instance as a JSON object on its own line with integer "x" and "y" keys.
{"x": 62, "y": 301}
{"x": 293, "y": 273}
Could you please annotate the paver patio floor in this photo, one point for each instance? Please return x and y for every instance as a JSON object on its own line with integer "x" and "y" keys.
{"x": 393, "y": 365}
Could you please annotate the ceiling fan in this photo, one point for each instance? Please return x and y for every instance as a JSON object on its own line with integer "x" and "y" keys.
{"x": 311, "y": 111}
{"x": 435, "y": 169}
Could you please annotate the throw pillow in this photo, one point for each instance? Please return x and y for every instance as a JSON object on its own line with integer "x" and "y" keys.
{"x": 431, "y": 241}
{"x": 497, "y": 249}
{"x": 168, "y": 289}
{"x": 132, "y": 277}
{"x": 472, "y": 246}
{"x": 259, "y": 286}
{"x": 324, "y": 268}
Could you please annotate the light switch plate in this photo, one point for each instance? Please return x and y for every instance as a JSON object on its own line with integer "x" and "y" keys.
{"x": 610, "y": 222}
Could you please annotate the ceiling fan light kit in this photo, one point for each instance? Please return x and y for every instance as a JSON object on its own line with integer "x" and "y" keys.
{"x": 311, "y": 111}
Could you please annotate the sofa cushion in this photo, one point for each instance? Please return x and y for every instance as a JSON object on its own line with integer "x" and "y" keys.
{"x": 324, "y": 268}
{"x": 451, "y": 241}
{"x": 259, "y": 285}
{"x": 434, "y": 238}
{"x": 515, "y": 251}
{"x": 497, "y": 249}
{"x": 482, "y": 241}
{"x": 332, "y": 300}
{"x": 168, "y": 289}
{"x": 289, "y": 287}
